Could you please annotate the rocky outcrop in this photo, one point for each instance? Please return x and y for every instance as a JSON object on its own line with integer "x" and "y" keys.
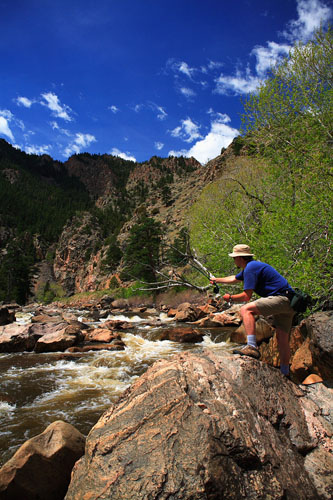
{"x": 52, "y": 331}
{"x": 204, "y": 426}
{"x": 77, "y": 260}
{"x": 41, "y": 467}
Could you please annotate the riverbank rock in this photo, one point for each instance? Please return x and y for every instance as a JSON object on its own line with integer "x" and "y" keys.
{"x": 264, "y": 331}
{"x": 41, "y": 467}
{"x": 6, "y": 315}
{"x": 186, "y": 312}
{"x": 16, "y": 338}
{"x": 319, "y": 329}
{"x": 208, "y": 426}
{"x": 59, "y": 340}
{"x": 182, "y": 335}
{"x": 101, "y": 335}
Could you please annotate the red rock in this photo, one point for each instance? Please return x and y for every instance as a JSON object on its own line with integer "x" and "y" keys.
{"x": 16, "y": 338}
{"x": 182, "y": 335}
{"x": 101, "y": 335}
{"x": 204, "y": 426}
{"x": 41, "y": 467}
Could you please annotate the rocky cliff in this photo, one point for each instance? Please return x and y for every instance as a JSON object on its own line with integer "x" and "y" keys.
{"x": 46, "y": 197}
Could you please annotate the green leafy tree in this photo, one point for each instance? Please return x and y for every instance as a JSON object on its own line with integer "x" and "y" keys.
{"x": 281, "y": 201}
{"x": 142, "y": 253}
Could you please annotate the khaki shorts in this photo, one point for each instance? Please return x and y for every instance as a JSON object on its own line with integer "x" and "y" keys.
{"x": 277, "y": 306}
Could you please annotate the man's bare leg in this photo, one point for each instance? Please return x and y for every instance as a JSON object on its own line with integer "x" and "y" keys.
{"x": 284, "y": 350}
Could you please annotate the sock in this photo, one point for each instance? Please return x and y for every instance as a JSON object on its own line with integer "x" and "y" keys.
{"x": 251, "y": 340}
{"x": 284, "y": 369}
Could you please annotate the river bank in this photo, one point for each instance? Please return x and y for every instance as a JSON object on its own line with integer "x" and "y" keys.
{"x": 78, "y": 384}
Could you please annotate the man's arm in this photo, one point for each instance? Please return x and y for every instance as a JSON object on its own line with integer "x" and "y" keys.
{"x": 227, "y": 279}
{"x": 245, "y": 296}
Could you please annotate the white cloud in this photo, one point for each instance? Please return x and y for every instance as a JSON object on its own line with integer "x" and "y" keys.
{"x": 114, "y": 109}
{"x": 24, "y": 101}
{"x": 161, "y": 114}
{"x": 219, "y": 117}
{"x": 80, "y": 141}
{"x": 269, "y": 56}
{"x": 188, "y": 131}
{"x": 238, "y": 84}
{"x": 59, "y": 110}
{"x": 37, "y": 150}
{"x": 159, "y": 145}
{"x": 4, "y": 128}
{"x": 124, "y": 156}
{"x": 311, "y": 14}
{"x": 55, "y": 126}
{"x": 184, "y": 68}
{"x": 189, "y": 93}
{"x": 219, "y": 136}
{"x": 138, "y": 107}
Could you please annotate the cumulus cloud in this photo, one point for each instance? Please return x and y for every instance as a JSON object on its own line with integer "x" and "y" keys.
{"x": 237, "y": 84}
{"x": 59, "y": 110}
{"x": 159, "y": 145}
{"x": 219, "y": 136}
{"x": 4, "y": 128}
{"x": 188, "y": 131}
{"x": 311, "y": 14}
{"x": 24, "y": 101}
{"x": 81, "y": 141}
{"x": 114, "y": 109}
{"x": 269, "y": 56}
{"x": 124, "y": 156}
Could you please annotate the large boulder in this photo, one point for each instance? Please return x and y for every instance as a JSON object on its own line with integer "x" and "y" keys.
{"x": 6, "y": 315}
{"x": 59, "y": 340}
{"x": 319, "y": 329}
{"x": 208, "y": 426}
{"x": 263, "y": 331}
{"x": 182, "y": 335}
{"x": 41, "y": 467}
{"x": 16, "y": 338}
{"x": 186, "y": 312}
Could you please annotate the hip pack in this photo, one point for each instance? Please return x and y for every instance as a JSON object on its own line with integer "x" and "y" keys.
{"x": 300, "y": 301}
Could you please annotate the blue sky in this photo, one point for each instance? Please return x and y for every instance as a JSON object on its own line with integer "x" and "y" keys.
{"x": 138, "y": 78}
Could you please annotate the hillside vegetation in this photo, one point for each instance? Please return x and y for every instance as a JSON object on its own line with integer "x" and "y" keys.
{"x": 94, "y": 218}
{"x": 278, "y": 196}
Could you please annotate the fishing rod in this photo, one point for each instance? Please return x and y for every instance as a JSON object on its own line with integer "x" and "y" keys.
{"x": 204, "y": 271}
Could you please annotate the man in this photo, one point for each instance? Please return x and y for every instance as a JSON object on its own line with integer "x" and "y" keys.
{"x": 274, "y": 289}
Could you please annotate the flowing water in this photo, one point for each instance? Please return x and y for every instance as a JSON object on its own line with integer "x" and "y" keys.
{"x": 37, "y": 389}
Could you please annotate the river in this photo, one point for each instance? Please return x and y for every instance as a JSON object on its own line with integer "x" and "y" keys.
{"x": 37, "y": 389}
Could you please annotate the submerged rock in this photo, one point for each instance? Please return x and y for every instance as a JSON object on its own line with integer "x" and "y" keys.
{"x": 208, "y": 426}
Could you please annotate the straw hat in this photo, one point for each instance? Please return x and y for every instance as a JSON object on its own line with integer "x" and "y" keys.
{"x": 241, "y": 251}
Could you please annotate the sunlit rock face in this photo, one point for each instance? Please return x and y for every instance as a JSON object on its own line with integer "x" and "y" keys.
{"x": 205, "y": 426}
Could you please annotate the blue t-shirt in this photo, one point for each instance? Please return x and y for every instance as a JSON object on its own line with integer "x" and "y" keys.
{"x": 263, "y": 279}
